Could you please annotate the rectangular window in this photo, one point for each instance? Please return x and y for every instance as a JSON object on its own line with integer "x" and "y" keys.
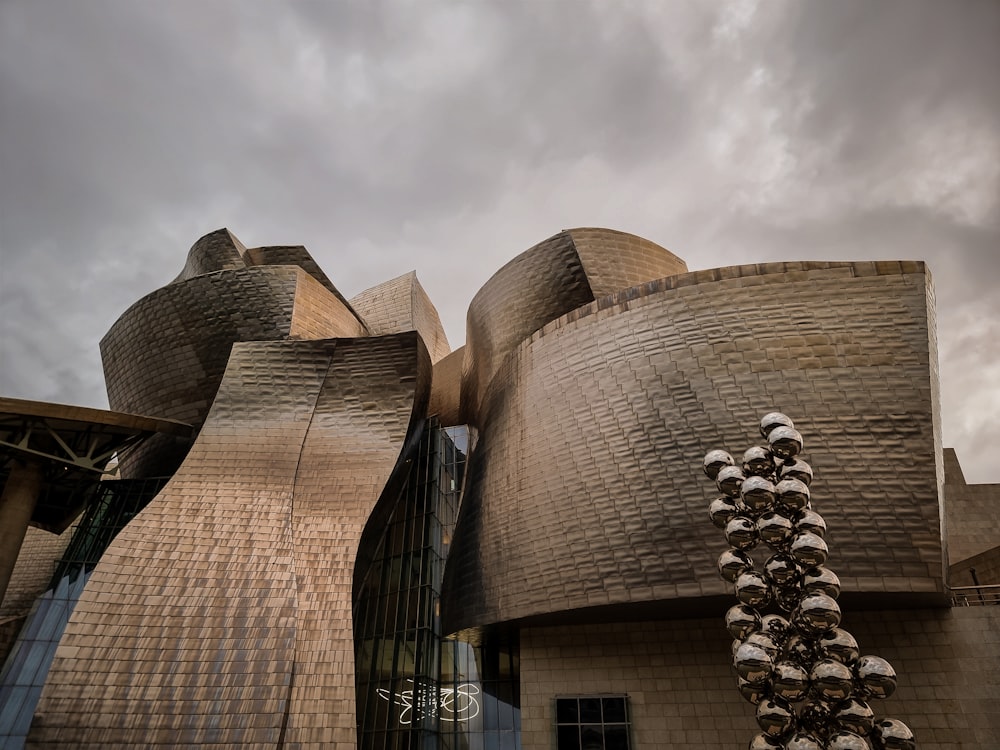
{"x": 593, "y": 722}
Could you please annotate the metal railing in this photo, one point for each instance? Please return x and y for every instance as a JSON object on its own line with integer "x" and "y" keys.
{"x": 975, "y": 596}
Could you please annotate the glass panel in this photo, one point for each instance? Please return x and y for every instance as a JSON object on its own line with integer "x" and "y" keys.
{"x": 569, "y": 738}
{"x": 590, "y": 710}
{"x": 566, "y": 712}
{"x": 614, "y": 710}
{"x": 591, "y": 737}
{"x": 616, "y": 737}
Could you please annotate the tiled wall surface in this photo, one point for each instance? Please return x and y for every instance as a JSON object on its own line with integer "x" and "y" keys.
{"x": 552, "y": 278}
{"x": 401, "y": 304}
{"x": 585, "y": 488}
{"x": 166, "y": 354}
{"x": 682, "y": 688}
{"x": 221, "y": 616}
{"x": 972, "y": 517}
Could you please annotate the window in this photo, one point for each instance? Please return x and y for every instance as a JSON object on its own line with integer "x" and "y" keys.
{"x": 593, "y": 722}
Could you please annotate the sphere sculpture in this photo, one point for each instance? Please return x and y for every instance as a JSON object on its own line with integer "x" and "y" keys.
{"x": 803, "y": 672}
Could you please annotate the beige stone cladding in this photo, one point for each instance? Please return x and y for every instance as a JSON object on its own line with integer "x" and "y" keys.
{"x": 584, "y": 489}
{"x": 682, "y": 688}
{"x": 166, "y": 354}
{"x": 401, "y": 304}
{"x": 543, "y": 283}
{"x": 221, "y": 616}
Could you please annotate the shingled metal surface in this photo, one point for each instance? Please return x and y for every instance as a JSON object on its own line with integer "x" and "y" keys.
{"x": 541, "y": 284}
{"x": 584, "y": 488}
{"x": 166, "y": 354}
{"x": 401, "y": 304}
{"x": 221, "y": 616}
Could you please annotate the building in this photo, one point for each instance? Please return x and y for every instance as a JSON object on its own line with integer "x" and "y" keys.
{"x": 375, "y": 541}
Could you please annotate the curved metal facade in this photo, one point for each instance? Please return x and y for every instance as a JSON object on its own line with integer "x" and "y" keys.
{"x": 581, "y": 491}
{"x": 166, "y": 354}
{"x": 596, "y": 374}
{"x": 222, "y": 614}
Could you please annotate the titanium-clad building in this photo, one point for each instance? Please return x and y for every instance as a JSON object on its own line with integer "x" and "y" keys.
{"x": 375, "y": 541}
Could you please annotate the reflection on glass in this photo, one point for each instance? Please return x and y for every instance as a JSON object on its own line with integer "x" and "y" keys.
{"x": 416, "y": 688}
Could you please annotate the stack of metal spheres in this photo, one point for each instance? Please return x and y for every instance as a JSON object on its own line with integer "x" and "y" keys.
{"x": 805, "y": 674}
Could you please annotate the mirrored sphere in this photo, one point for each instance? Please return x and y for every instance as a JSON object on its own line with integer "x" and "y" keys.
{"x": 788, "y": 597}
{"x": 763, "y": 742}
{"x": 732, "y": 562}
{"x": 793, "y": 495}
{"x": 843, "y": 740}
{"x": 814, "y": 716}
{"x": 752, "y": 663}
{"x": 758, "y": 461}
{"x": 809, "y": 550}
{"x": 773, "y": 419}
{"x": 789, "y": 681}
{"x": 891, "y": 734}
{"x": 777, "y": 627}
{"x": 753, "y": 692}
{"x": 816, "y": 614}
{"x": 854, "y": 715}
{"x": 752, "y": 588}
{"x": 799, "y": 649}
{"x": 776, "y": 717}
{"x": 715, "y": 461}
{"x": 741, "y": 533}
{"x": 797, "y": 469}
{"x": 775, "y": 530}
{"x": 876, "y": 676}
{"x": 811, "y": 521}
{"x": 765, "y": 641}
{"x": 785, "y": 442}
{"x": 821, "y": 580}
{"x": 729, "y": 480}
{"x": 722, "y": 510}
{"x": 803, "y": 741}
{"x": 742, "y": 620}
{"x": 831, "y": 680}
{"x": 839, "y": 645}
{"x": 758, "y": 494}
{"x": 782, "y": 570}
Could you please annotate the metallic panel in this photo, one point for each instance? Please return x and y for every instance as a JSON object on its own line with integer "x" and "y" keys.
{"x": 546, "y": 281}
{"x": 401, "y": 304}
{"x": 166, "y": 354}
{"x": 222, "y": 614}
{"x": 584, "y": 491}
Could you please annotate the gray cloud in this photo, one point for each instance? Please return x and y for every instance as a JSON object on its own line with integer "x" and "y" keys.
{"x": 448, "y": 137}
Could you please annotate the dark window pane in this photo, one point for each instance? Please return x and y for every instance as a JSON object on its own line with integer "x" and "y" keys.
{"x": 591, "y": 737}
{"x": 590, "y": 710}
{"x": 614, "y": 710}
{"x": 566, "y": 711}
{"x": 616, "y": 737}
{"x": 569, "y": 738}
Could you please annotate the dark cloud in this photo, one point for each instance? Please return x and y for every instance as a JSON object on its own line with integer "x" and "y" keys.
{"x": 448, "y": 137}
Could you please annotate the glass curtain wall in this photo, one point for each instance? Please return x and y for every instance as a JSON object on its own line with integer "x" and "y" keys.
{"x": 415, "y": 688}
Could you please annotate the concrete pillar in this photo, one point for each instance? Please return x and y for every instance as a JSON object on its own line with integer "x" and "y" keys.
{"x": 17, "y": 503}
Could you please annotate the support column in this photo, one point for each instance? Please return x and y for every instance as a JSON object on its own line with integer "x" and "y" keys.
{"x": 17, "y": 503}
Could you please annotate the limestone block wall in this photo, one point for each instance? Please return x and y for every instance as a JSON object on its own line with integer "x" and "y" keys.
{"x": 584, "y": 487}
{"x": 682, "y": 688}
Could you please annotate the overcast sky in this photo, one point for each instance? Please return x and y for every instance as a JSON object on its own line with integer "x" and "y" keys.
{"x": 447, "y": 137}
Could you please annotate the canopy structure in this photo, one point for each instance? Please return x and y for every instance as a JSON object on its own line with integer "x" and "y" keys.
{"x": 51, "y": 458}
